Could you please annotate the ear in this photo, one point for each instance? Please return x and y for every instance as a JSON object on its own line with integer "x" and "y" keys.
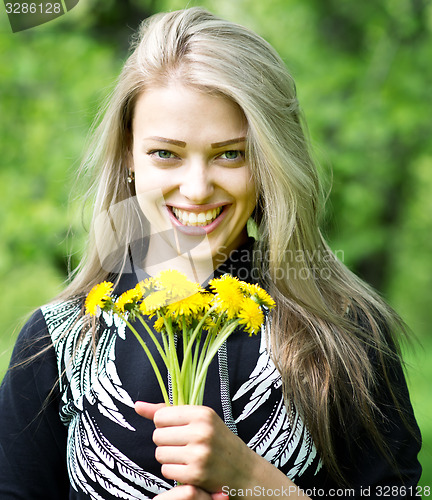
{"x": 129, "y": 160}
{"x": 129, "y": 151}
{"x": 130, "y": 169}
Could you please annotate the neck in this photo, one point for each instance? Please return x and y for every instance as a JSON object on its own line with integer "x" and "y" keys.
{"x": 192, "y": 256}
{"x": 168, "y": 251}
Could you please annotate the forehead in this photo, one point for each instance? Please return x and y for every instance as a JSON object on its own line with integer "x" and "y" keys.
{"x": 177, "y": 108}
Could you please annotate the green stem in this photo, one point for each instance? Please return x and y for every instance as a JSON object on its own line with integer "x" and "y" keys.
{"x": 175, "y": 367}
{"x": 191, "y": 342}
{"x": 185, "y": 370}
{"x": 209, "y": 340}
{"x": 164, "y": 340}
{"x": 194, "y": 364}
{"x": 219, "y": 340}
{"x": 184, "y": 334}
{"x": 155, "y": 340}
{"x": 211, "y": 335}
{"x": 150, "y": 357}
{"x": 200, "y": 396}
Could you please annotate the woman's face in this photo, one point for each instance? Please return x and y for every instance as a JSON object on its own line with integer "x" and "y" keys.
{"x": 188, "y": 156}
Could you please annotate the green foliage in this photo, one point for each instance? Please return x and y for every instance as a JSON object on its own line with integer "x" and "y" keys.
{"x": 362, "y": 71}
{"x": 52, "y": 82}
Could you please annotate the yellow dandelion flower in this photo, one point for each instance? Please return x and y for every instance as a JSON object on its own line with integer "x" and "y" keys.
{"x": 229, "y": 295}
{"x": 172, "y": 279}
{"x": 156, "y": 300}
{"x": 209, "y": 323}
{"x": 128, "y": 297}
{"x": 224, "y": 280}
{"x": 144, "y": 286}
{"x": 251, "y": 316}
{"x": 140, "y": 289}
{"x": 186, "y": 307}
{"x": 190, "y": 291}
{"x": 261, "y": 296}
{"x": 206, "y": 300}
{"x": 176, "y": 285}
{"x": 159, "y": 324}
{"x": 143, "y": 308}
{"x": 97, "y": 297}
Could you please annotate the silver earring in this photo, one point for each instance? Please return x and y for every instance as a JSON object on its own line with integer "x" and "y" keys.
{"x": 131, "y": 176}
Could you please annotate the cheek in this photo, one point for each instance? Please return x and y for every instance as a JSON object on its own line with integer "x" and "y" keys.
{"x": 239, "y": 183}
{"x": 248, "y": 193}
{"x": 145, "y": 179}
{"x": 150, "y": 187}
{"x": 149, "y": 179}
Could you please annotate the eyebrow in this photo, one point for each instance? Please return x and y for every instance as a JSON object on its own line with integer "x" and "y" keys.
{"x": 183, "y": 144}
{"x": 216, "y": 145}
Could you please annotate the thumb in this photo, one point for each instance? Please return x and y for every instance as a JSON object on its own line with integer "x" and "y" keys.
{"x": 148, "y": 410}
{"x": 220, "y": 495}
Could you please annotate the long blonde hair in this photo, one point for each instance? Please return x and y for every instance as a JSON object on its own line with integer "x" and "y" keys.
{"x": 327, "y": 321}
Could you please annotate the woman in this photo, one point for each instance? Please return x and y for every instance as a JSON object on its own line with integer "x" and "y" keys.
{"x": 200, "y": 142}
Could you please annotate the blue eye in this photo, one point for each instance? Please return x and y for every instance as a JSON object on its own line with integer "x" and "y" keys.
{"x": 232, "y": 155}
{"x": 162, "y": 154}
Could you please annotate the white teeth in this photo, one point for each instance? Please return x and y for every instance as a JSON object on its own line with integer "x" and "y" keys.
{"x": 193, "y": 218}
{"x": 196, "y": 219}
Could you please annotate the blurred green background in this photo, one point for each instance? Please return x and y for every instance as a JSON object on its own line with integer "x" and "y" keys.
{"x": 363, "y": 73}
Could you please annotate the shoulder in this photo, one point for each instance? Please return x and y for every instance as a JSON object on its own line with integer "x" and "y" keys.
{"x": 61, "y": 314}
{"x": 32, "y": 338}
{"x": 66, "y": 327}
{"x": 39, "y": 332}
{"x": 32, "y": 354}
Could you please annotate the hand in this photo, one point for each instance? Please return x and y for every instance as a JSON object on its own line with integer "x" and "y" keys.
{"x": 196, "y": 448}
{"x": 187, "y": 492}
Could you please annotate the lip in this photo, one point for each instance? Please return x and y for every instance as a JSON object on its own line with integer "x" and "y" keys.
{"x": 198, "y": 230}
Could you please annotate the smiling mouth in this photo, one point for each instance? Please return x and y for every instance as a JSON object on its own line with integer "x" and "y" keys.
{"x": 200, "y": 219}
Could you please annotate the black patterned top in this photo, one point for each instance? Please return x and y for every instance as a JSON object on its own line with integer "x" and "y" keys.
{"x": 80, "y": 438}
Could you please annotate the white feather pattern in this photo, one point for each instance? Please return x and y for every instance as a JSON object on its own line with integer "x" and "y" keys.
{"x": 91, "y": 458}
{"x": 91, "y": 376}
{"x": 283, "y": 436}
{"x": 263, "y": 377}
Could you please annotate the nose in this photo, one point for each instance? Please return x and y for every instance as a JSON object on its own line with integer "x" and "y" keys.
{"x": 197, "y": 181}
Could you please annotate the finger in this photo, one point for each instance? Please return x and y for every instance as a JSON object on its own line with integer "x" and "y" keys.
{"x": 182, "y": 415}
{"x": 147, "y": 410}
{"x": 177, "y": 472}
{"x": 185, "y": 492}
{"x": 220, "y": 495}
{"x": 171, "y": 436}
{"x": 171, "y": 455}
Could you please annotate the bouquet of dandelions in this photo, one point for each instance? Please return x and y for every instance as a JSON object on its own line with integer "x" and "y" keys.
{"x": 183, "y": 310}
